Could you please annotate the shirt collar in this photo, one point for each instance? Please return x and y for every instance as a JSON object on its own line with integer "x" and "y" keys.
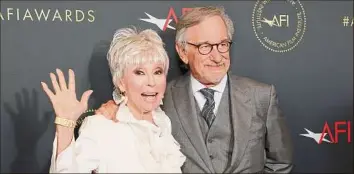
{"x": 196, "y": 85}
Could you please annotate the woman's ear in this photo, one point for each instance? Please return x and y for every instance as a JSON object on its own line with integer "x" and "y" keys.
{"x": 121, "y": 85}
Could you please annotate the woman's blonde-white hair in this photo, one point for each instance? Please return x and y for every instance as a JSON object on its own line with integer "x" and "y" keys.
{"x": 131, "y": 47}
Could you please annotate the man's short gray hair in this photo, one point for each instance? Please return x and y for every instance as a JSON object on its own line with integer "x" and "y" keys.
{"x": 131, "y": 47}
{"x": 197, "y": 15}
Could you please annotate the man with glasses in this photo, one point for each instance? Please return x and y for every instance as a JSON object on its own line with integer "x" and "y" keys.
{"x": 224, "y": 123}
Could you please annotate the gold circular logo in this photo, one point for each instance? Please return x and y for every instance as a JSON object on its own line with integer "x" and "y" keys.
{"x": 279, "y": 25}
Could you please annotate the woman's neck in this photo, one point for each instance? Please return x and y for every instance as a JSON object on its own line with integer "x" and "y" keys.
{"x": 139, "y": 114}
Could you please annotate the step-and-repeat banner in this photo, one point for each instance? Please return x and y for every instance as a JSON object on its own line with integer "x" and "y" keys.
{"x": 304, "y": 48}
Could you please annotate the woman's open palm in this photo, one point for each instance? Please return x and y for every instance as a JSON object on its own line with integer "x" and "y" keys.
{"x": 63, "y": 97}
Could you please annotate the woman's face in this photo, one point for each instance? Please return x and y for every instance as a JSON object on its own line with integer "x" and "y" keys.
{"x": 144, "y": 85}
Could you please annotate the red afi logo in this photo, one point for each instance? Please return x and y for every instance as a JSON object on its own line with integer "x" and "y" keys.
{"x": 163, "y": 24}
{"x": 340, "y": 127}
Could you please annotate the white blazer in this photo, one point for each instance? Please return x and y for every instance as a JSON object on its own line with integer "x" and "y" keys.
{"x": 129, "y": 146}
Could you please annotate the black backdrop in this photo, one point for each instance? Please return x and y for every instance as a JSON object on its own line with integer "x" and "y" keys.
{"x": 313, "y": 75}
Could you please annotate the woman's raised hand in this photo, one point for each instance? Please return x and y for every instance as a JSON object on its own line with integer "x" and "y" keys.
{"x": 63, "y": 97}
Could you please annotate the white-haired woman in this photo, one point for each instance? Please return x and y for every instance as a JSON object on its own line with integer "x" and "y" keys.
{"x": 141, "y": 142}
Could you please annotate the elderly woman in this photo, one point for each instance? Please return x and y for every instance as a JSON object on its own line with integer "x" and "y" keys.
{"x": 141, "y": 142}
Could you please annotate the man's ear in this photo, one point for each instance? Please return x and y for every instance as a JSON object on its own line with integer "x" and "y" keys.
{"x": 181, "y": 52}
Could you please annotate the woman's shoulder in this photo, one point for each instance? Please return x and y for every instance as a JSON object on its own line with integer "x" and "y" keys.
{"x": 94, "y": 121}
{"x": 106, "y": 131}
{"x": 101, "y": 124}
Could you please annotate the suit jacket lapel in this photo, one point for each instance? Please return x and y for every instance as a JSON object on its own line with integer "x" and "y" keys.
{"x": 241, "y": 119}
{"x": 186, "y": 109}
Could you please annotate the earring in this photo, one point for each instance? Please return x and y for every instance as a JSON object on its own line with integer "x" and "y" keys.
{"x": 119, "y": 98}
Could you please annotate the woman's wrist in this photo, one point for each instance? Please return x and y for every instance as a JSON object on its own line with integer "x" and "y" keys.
{"x": 63, "y": 131}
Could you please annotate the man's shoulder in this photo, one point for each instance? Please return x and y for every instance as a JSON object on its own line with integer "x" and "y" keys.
{"x": 246, "y": 82}
{"x": 251, "y": 87}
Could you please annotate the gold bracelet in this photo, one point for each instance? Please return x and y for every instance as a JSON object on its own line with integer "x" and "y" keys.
{"x": 65, "y": 122}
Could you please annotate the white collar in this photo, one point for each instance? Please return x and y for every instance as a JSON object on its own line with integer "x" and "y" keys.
{"x": 125, "y": 116}
{"x": 196, "y": 85}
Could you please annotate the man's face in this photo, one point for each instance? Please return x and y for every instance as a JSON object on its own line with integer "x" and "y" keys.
{"x": 208, "y": 69}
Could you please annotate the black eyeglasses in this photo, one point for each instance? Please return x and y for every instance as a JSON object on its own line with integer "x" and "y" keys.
{"x": 206, "y": 48}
